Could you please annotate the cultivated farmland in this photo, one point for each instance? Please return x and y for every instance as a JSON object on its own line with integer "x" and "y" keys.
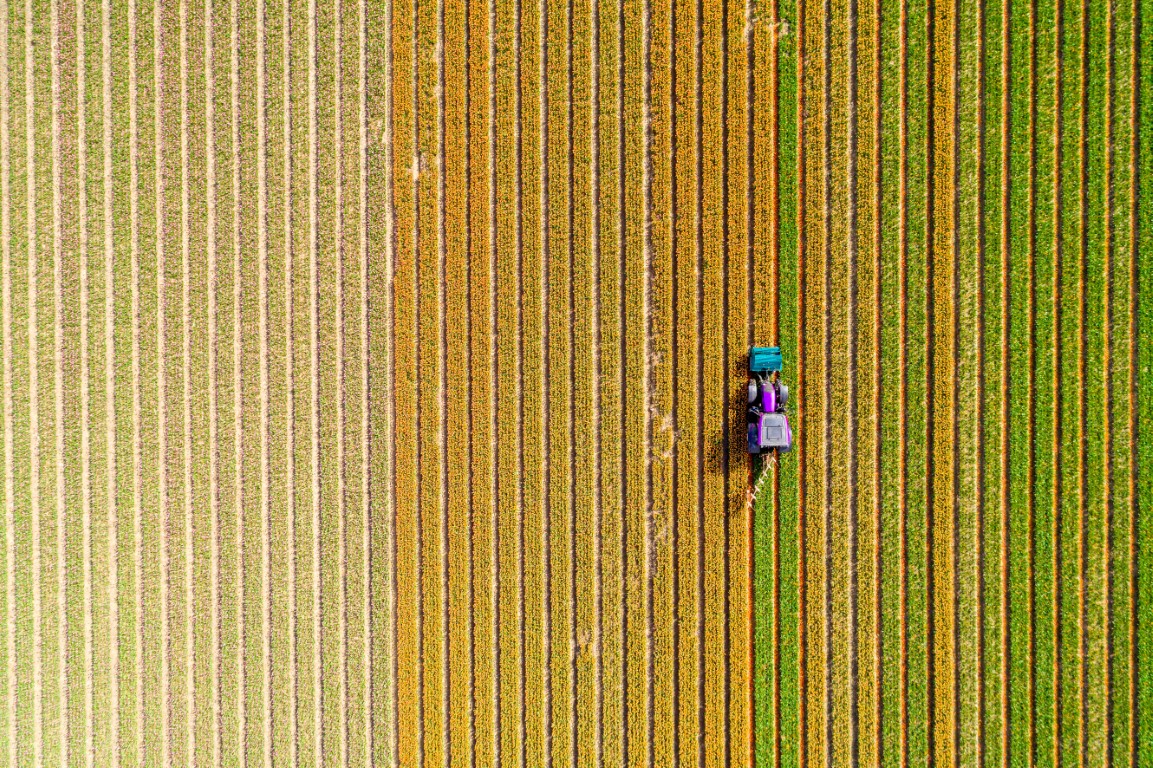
{"x": 956, "y": 566}
{"x": 373, "y": 382}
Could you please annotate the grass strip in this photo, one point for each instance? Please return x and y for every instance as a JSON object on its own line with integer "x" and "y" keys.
{"x": 917, "y": 392}
{"x": 814, "y": 499}
{"x": 1071, "y": 351}
{"x": 786, "y": 525}
{"x": 1097, "y": 271}
{"x": 992, "y": 384}
{"x": 764, "y": 259}
{"x": 891, "y": 279}
{"x": 1045, "y": 383}
{"x": 1020, "y": 324}
{"x": 969, "y": 244}
{"x": 1144, "y": 382}
{"x": 1120, "y": 338}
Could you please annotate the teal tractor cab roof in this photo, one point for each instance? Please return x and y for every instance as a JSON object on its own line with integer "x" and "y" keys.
{"x": 764, "y": 360}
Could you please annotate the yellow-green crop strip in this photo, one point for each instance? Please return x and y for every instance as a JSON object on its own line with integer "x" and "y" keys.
{"x": 373, "y": 382}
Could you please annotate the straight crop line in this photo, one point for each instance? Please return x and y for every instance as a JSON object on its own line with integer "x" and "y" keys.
{"x": 1107, "y": 370}
{"x": 699, "y": 248}
{"x": 293, "y": 707}
{"x": 546, "y": 399}
{"x": 213, "y": 382}
{"x": 468, "y": 331}
{"x": 1082, "y": 399}
{"x": 570, "y": 204}
{"x": 314, "y": 386}
{"x": 1031, "y": 376}
{"x": 365, "y": 389}
{"x": 649, "y": 382}
{"x": 392, "y": 724}
{"x": 185, "y": 258}
{"x": 903, "y": 385}
{"x": 878, "y": 506}
{"x": 9, "y": 453}
{"x": 749, "y": 191}
{"x": 932, "y": 724}
{"x": 58, "y": 391}
{"x": 415, "y": 162}
{"x": 238, "y": 396}
{"x": 494, "y": 382}
{"x": 33, "y": 388}
{"x": 137, "y": 458}
{"x": 878, "y": 519}
{"x": 932, "y": 105}
{"x": 85, "y": 420}
{"x": 598, "y": 415}
{"x": 980, "y": 368}
{"x": 518, "y": 186}
{"x": 1004, "y": 249}
{"x": 265, "y": 477}
{"x": 851, "y": 395}
{"x": 109, "y": 364}
{"x": 1058, "y": 394}
{"x": 826, "y": 375}
{"x": 341, "y": 411}
{"x": 1134, "y": 198}
{"x": 675, "y": 403}
{"x": 774, "y": 141}
{"x": 955, "y": 351}
{"x": 442, "y": 394}
{"x": 802, "y": 523}
{"x": 160, "y": 214}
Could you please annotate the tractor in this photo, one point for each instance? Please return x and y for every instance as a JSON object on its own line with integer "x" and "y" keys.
{"x": 768, "y": 395}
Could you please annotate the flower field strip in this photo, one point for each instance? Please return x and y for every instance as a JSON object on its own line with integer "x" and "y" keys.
{"x": 1016, "y": 640}
{"x": 455, "y": 402}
